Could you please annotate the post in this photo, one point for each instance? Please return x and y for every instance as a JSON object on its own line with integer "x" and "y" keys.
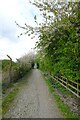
{"x": 67, "y": 83}
{"x": 10, "y": 69}
{"x": 77, "y": 89}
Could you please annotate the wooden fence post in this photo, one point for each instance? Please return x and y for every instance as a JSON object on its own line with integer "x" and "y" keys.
{"x": 10, "y": 69}
{"x": 77, "y": 89}
{"x": 67, "y": 83}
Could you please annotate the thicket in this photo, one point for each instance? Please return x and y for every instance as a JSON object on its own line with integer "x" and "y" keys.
{"x": 59, "y": 38}
{"x": 59, "y": 41}
{"x": 17, "y": 71}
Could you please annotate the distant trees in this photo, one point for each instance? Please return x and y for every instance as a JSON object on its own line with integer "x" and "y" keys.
{"x": 27, "y": 60}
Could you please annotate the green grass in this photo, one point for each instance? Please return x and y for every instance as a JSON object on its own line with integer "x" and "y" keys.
{"x": 63, "y": 107}
{"x": 6, "y": 102}
{"x": 49, "y": 82}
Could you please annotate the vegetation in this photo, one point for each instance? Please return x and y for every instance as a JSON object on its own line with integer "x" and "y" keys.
{"x": 59, "y": 38}
{"x": 59, "y": 42}
{"x": 6, "y": 102}
{"x": 17, "y": 70}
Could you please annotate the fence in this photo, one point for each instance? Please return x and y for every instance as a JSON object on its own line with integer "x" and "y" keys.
{"x": 72, "y": 86}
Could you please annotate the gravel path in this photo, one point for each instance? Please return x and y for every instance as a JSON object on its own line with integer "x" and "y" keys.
{"x": 34, "y": 100}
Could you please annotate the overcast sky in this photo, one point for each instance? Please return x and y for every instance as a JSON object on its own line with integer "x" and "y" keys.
{"x": 22, "y": 12}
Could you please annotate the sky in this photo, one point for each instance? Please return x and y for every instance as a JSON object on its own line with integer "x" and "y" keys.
{"x": 22, "y": 12}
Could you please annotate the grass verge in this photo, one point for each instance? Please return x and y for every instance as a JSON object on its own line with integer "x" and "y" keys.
{"x": 63, "y": 107}
{"x": 8, "y": 99}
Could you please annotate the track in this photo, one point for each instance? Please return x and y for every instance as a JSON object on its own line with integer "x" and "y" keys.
{"x": 34, "y": 100}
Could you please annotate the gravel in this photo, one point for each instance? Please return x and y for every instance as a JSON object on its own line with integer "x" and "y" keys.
{"x": 34, "y": 100}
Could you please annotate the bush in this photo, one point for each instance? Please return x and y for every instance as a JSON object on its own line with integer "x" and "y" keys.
{"x": 18, "y": 70}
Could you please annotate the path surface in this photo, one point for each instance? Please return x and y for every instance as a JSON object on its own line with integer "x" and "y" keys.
{"x": 34, "y": 100}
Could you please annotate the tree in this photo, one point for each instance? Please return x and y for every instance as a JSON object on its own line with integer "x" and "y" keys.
{"x": 58, "y": 45}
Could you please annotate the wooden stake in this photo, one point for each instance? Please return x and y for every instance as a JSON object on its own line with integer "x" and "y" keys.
{"x": 10, "y": 69}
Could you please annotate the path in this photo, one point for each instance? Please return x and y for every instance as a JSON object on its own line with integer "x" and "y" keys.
{"x": 34, "y": 100}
